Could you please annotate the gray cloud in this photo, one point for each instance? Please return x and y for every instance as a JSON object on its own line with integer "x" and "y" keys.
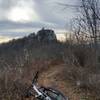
{"x": 7, "y": 4}
{"x": 51, "y": 11}
{"x": 50, "y": 15}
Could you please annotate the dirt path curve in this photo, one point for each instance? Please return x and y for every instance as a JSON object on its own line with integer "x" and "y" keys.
{"x": 54, "y": 77}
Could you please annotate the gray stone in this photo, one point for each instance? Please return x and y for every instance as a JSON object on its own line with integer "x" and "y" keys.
{"x": 46, "y": 35}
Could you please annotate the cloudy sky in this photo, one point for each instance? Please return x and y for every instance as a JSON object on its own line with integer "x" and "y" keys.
{"x": 21, "y": 17}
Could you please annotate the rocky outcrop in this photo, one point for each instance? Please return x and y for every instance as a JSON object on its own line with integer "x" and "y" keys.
{"x": 46, "y": 35}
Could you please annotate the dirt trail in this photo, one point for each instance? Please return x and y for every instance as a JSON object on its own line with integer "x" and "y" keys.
{"x": 53, "y": 77}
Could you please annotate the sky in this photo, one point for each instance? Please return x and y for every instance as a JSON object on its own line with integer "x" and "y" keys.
{"x": 21, "y": 17}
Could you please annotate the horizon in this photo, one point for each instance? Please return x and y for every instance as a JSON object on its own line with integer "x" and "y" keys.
{"x": 60, "y": 34}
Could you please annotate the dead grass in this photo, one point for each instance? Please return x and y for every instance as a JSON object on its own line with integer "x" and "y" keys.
{"x": 72, "y": 71}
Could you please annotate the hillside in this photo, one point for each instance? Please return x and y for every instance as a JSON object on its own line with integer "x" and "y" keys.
{"x": 67, "y": 67}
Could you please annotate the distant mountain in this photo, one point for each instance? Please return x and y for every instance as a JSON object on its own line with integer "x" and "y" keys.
{"x": 35, "y": 45}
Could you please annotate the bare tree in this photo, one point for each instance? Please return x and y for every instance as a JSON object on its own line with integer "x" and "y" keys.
{"x": 89, "y": 19}
{"x": 89, "y": 22}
